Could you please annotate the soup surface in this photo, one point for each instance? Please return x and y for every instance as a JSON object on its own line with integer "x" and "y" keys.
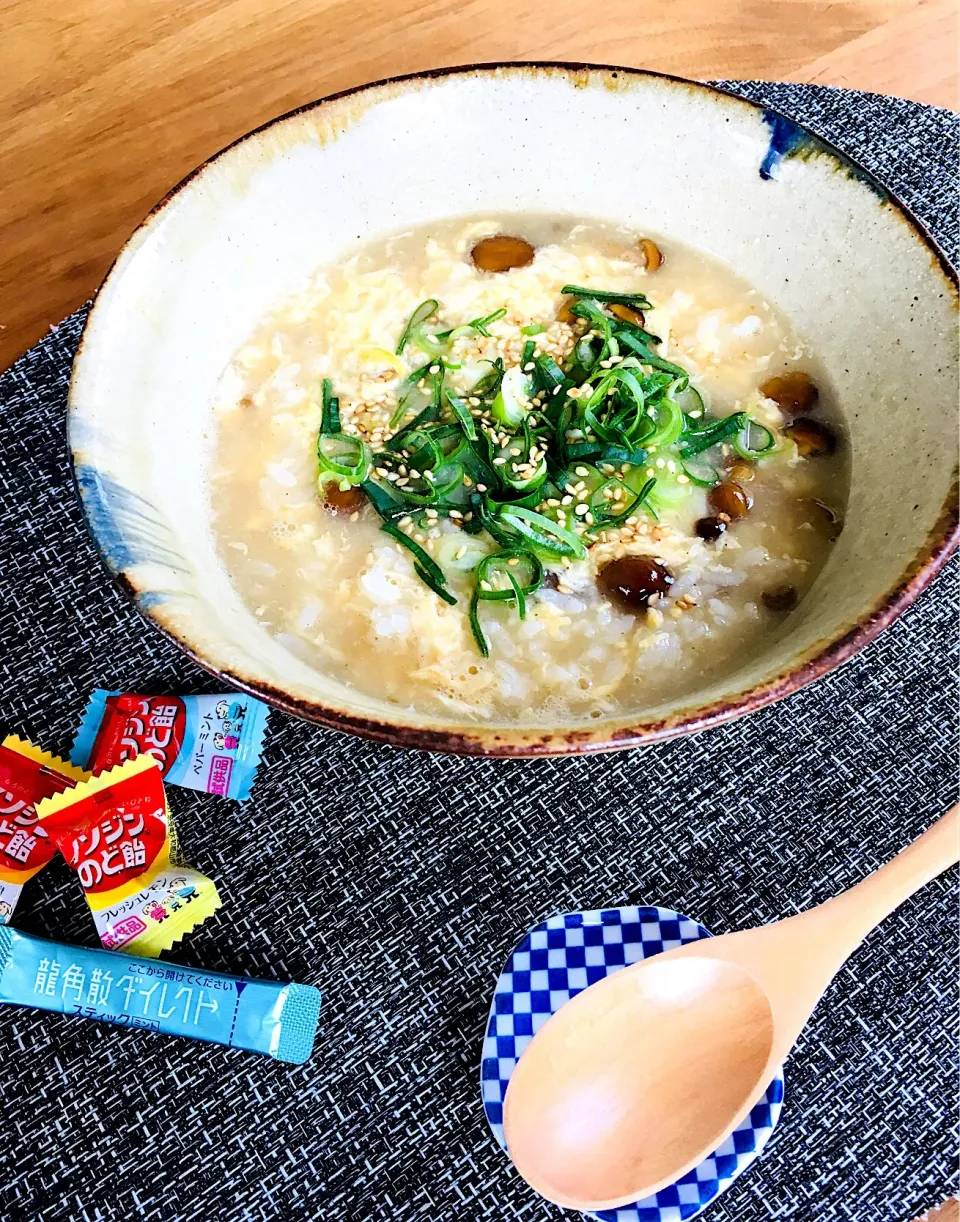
{"x": 604, "y": 496}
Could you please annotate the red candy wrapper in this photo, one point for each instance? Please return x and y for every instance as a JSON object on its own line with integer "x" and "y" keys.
{"x": 211, "y": 743}
{"x": 27, "y": 776}
{"x": 115, "y": 831}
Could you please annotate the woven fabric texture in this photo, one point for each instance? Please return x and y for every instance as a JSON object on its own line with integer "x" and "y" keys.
{"x": 398, "y": 882}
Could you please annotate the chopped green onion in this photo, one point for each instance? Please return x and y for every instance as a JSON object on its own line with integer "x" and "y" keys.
{"x": 668, "y": 425}
{"x": 617, "y": 519}
{"x": 427, "y": 416}
{"x": 344, "y": 456}
{"x": 542, "y": 531}
{"x": 649, "y": 357}
{"x": 460, "y": 551}
{"x": 513, "y": 398}
{"x": 417, "y": 319}
{"x": 405, "y": 392}
{"x": 625, "y": 407}
{"x": 694, "y": 441}
{"x": 753, "y": 440}
{"x": 425, "y": 566}
{"x": 386, "y": 506}
{"x": 478, "y": 324}
{"x": 548, "y": 374}
{"x": 631, "y": 299}
{"x": 475, "y": 627}
{"x": 330, "y": 414}
{"x": 698, "y": 471}
{"x": 462, "y": 413}
{"x": 488, "y": 385}
{"x": 501, "y": 564}
{"x": 519, "y": 585}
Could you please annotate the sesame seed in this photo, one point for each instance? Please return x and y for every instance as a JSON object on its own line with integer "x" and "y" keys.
{"x": 661, "y": 463}
{"x": 485, "y": 585}
{"x": 582, "y": 509}
{"x": 414, "y": 473}
{"x": 556, "y": 390}
{"x": 434, "y": 368}
{"x": 514, "y": 560}
{"x": 460, "y": 553}
{"x": 455, "y": 513}
{"x": 432, "y": 513}
{"x": 498, "y": 462}
{"x": 683, "y": 479}
{"x": 580, "y": 471}
{"x": 567, "y": 500}
{"x": 481, "y": 487}
{"x": 650, "y": 473}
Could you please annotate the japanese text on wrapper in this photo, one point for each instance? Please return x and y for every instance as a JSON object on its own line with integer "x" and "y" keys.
{"x": 109, "y": 848}
{"x": 19, "y": 832}
{"x": 158, "y": 994}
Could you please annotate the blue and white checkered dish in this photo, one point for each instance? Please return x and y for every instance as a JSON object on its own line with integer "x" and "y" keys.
{"x": 557, "y": 960}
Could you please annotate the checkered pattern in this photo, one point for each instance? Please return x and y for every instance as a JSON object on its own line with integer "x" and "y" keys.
{"x": 558, "y": 959}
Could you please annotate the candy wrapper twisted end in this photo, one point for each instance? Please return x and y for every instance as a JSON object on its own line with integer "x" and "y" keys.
{"x": 115, "y": 831}
{"x": 27, "y": 776}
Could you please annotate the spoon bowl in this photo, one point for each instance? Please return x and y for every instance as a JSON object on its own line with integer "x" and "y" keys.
{"x": 639, "y": 1076}
{"x": 711, "y": 1026}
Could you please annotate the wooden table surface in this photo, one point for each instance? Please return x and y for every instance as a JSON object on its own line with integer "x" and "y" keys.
{"x": 106, "y": 104}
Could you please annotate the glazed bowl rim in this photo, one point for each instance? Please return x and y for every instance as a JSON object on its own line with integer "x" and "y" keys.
{"x": 478, "y": 740}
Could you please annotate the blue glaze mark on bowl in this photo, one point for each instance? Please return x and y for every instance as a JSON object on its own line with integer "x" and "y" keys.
{"x": 128, "y": 529}
{"x": 784, "y": 138}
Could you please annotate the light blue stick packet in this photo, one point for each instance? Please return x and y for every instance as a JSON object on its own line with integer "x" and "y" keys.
{"x": 265, "y": 1016}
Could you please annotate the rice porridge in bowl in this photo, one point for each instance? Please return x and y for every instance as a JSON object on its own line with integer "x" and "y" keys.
{"x": 525, "y": 468}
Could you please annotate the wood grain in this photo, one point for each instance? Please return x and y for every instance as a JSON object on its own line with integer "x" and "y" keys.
{"x": 105, "y": 104}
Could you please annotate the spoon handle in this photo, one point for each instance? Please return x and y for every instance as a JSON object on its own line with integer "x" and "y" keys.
{"x": 856, "y": 912}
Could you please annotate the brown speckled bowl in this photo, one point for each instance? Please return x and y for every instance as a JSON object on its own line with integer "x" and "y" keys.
{"x": 815, "y": 234}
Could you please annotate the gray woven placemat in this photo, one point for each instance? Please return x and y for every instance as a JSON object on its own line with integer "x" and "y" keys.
{"x": 398, "y": 882}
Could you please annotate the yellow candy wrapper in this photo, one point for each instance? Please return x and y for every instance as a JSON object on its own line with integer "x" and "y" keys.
{"x": 115, "y": 831}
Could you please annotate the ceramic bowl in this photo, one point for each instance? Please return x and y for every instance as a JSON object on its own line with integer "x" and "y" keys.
{"x": 814, "y": 233}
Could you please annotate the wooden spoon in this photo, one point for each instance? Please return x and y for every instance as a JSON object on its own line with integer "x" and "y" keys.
{"x": 645, "y": 1073}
